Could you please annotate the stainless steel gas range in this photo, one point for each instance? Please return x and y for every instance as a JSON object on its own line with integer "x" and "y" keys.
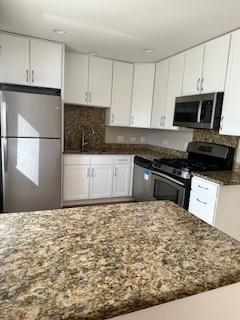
{"x": 170, "y": 179}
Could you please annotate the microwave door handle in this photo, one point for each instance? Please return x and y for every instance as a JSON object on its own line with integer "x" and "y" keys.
{"x": 199, "y": 112}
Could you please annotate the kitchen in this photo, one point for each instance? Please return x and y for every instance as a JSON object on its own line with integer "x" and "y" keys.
{"x": 120, "y": 161}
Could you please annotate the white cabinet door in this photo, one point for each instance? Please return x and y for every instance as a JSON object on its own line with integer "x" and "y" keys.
{"x": 193, "y": 70}
{"x": 76, "y": 78}
{"x": 202, "y": 207}
{"x": 46, "y": 63}
{"x": 174, "y": 88}
{"x": 121, "y": 180}
{"x": 101, "y": 181}
{"x": 100, "y": 82}
{"x": 160, "y": 94}
{"x": 14, "y": 59}
{"x": 76, "y": 182}
{"x": 215, "y": 64}
{"x": 121, "y": 94}
{"x": 231, "y": 104}
{"x": 142, "y": 94}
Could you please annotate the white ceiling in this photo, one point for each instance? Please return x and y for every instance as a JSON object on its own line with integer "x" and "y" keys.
{"x": 122, "y": 28}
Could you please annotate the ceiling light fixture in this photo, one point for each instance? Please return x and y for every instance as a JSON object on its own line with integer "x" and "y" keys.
{"x": 59, "y": 31}
{"x": 148, "y": 50}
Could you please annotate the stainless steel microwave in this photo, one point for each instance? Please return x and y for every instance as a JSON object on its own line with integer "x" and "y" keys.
{"x": 199, "y": 111}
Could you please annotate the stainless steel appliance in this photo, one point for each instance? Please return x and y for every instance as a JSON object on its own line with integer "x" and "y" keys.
{"x": 142, "y": 177}
{"x": 171, "y": 178}
{"x": 199, "y": 111}
{"x": 30, "y": 148}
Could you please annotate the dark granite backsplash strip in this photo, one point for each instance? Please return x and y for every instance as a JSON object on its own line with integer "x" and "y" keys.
{"x": 215, "y": 137}
{"x": 77, "y": 118}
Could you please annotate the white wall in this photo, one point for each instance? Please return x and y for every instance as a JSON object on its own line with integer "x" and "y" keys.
{"x": 163, "y": 138}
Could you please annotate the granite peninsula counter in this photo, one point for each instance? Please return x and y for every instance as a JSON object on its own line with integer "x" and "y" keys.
{"x": 101, "y": 261}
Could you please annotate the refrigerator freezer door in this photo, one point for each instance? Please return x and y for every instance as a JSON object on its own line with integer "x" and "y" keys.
{"x": 30, "y": 115}
{"x": 31, "y": 174}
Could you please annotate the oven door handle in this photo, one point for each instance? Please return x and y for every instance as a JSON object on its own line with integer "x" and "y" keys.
{"x": 159, "y": 174}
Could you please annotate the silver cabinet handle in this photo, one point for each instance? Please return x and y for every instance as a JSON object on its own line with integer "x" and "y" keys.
{"x": 90, "y": 97}
{"x": 132, "y": 119}
{"x": 88, "y": 172}
{"x": 112, "y": 118}
{"x": 32, "y": 76}
{"x": 201, "y": 187}
{"x": 27, "y": 76}
{"x": 201, "y": 201}
{"x": 198, "y": 82}
{"x": 92, "y": 175}
{"x": 202, "y": 84}
{"x": 161, "y": 123}
{"x": 221, "y": 123}
{"x": 164, "y": 121}
{"x": 115, "y": 172}
{"x": 86, "y": 96}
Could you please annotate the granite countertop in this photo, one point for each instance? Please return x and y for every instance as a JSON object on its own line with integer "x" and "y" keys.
{"x": 220, "y": 177}
{"x": 101, "y": 261}
{"x": 141, "y": 152}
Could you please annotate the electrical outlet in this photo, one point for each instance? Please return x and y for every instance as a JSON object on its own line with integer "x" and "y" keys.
{"x": 165, "y": 143}
{"x": 133, "y": 139}
{"x": 120, "y": 139}
{"x": 143, "y": 139}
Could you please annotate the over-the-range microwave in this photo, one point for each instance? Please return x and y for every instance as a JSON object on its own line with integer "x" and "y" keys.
{"x": 199, "y": 111}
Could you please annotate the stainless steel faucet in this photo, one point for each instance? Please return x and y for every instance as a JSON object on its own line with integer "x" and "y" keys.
{"x": 83, "y": 141}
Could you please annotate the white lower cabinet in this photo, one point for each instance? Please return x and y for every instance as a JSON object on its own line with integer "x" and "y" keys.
{"x": 121, "y": 180}
{"x": 101, "y": 181}
{"x": 217, "y": 205}
{"x": 96, "y": 177}
{"x": 76, "y": 182}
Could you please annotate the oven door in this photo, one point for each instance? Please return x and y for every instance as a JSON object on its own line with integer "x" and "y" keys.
{"x": 164, "y": 187}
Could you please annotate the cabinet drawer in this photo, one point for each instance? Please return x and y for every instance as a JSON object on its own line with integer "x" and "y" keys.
{"x": 76, "y": 159}
{"x": 101, "y": 159}
{"x": 202, "y": 207}
{"x": 204, "y": 187}
{"x": 122, "y": 159}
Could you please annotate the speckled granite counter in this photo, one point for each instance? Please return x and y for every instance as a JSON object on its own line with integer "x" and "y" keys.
{"x": 148, "y": 152}
{"x": 220, "y": 177}
{"x": 101, "y": 261}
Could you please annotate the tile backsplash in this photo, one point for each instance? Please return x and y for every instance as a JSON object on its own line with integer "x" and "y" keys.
{"x": 77, "y": 118}
{"x": 215, "y": 137}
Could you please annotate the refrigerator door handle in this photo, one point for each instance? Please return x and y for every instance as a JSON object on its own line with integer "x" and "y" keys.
{"x": 5, "y": 153}
{"x": 3, "y": 117}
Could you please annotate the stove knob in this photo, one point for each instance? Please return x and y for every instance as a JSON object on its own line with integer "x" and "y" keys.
{"x": 174, "y": 171}
{"x": 179, "y": 172}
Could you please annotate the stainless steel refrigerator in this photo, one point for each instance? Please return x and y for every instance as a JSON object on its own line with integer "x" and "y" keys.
{"x": 30, "y": 148}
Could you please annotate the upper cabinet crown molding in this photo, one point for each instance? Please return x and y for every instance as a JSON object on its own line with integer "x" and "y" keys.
{"x": 88, "y": 80}
{"x": 142, "y": 94}
{"x": 29, "y": 61}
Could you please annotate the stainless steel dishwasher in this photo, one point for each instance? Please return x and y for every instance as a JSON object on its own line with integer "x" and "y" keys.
{"x": 142, "y": 180}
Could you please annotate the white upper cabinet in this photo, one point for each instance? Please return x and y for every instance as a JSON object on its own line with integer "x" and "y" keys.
{"x": 174, "y": 88}
{"x": 121, "y": 94}
{"x": 46, "y": 63}
{"x": 215, "y": 64}
{"x": 100, "y": 82}
{"x": 230, "y": 124}
{"x": 76, "y": 78}
{"x": 193, "y": 71}
{"x": 160, "y": 94}
{"x": 142, "y": 94}
{"x": 14, "y": 59}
